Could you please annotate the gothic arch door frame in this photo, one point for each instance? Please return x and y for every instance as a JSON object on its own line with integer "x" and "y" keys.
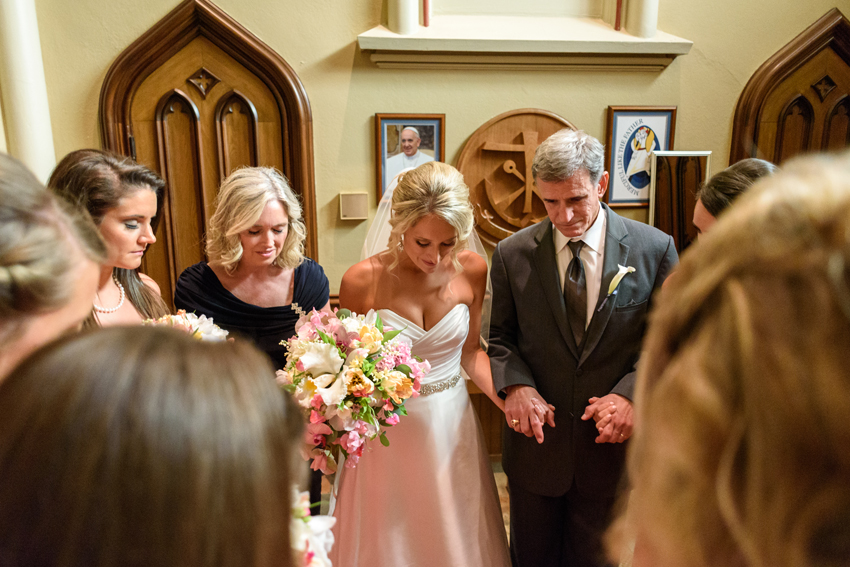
{"x": 797, "y": 101}
{"x": 193, "y": 134}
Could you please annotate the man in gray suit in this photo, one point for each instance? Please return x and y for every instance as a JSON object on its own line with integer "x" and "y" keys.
{"x": 570, "y": 298}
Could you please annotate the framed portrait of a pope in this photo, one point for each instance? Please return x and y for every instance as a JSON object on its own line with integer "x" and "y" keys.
{"x": 634, "y": 133}
{"x": 406, "y": 141}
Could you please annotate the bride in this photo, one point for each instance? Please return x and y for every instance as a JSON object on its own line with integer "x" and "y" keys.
{"x": 429, "y": 498}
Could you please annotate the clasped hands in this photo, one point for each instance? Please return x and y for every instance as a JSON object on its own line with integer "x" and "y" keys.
{"x": 526, "y": 411}
{"x": 613, "y": 416}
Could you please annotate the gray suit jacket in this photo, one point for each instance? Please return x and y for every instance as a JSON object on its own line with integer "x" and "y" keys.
{"x": 531, "y": 343}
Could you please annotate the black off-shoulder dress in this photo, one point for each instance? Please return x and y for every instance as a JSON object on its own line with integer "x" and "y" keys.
{"x": 199, "y": 291}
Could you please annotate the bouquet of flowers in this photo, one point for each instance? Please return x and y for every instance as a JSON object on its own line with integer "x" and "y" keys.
{"x": 202, "y": 328}
{"x": 311, "y": 536}
{"x": 351, "y": 375}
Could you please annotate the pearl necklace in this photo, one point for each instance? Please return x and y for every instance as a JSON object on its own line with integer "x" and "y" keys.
{"x": 100, "y": 309}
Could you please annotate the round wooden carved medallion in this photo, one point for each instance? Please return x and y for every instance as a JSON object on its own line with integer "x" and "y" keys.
{"x": 496, "y": 164}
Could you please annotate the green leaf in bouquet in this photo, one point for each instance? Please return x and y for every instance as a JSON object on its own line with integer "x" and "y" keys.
{"x": 289, "y": 388}
{"x": 326, "y": 337}
{"x": 379, "y": 324}
{"x": 401, "y": 410}
{"x": 391, "y": 335}
{"x": 367, "y": 366}
{"x": 343, "y": 313}
{"x": 404, "y": 369}
{"x": 384, "y": 441}
{"x": 418, "y": 359}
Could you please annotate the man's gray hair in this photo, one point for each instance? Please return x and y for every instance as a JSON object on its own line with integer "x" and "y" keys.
{"x": 564, "y": 153}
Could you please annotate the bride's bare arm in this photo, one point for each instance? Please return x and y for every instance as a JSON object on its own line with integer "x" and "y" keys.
{"x": 474, "y": 360}
{"x": 356, "y": 292}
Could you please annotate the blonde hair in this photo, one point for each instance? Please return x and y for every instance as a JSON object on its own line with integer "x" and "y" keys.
{"x": 742, "y": 446}
{"x": 145, "y": 446}
{"x": 433, "y": 188}
{"x": 41, "y": 239}
{"x": 241, "y": 200}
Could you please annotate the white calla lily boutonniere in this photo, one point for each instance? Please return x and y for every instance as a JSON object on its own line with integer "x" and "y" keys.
{"x": 615, "y": 283}
{"x": 621, "y": 273}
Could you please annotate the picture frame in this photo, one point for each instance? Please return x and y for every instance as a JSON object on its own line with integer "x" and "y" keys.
{"x": 392, "y": 156}
{"x": 675, "y": 178}
{"x": 627, "y": 158}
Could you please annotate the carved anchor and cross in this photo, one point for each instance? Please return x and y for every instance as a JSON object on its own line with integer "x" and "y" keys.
{"x": 503, "y": 203}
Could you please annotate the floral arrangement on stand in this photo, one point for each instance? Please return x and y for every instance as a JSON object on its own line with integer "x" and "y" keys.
{"x": 200, "y": 327}
{"x": 311, "y": 536}
{"x": 351, "y": 375}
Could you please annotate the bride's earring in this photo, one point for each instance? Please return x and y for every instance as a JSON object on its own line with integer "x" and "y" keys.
{"x": 401, "y": 244}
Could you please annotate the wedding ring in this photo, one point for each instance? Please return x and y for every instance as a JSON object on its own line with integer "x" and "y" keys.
{"x": 514, "y": 422}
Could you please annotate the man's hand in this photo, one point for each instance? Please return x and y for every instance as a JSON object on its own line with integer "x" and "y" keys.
{"x": 526, "y": 411}
{"x": 613, "y": 415}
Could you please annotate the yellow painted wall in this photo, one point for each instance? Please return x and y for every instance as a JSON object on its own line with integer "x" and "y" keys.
{"x": 81, "y": 38}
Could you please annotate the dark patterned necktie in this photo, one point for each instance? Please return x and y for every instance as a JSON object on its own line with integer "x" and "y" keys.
{"x": 575, "y": 293}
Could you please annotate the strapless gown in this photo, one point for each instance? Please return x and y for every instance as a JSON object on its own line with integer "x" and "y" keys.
{"x": 429, "y": 499}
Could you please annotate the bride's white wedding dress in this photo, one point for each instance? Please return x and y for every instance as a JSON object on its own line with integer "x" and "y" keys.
{"x": 429, "y": 499}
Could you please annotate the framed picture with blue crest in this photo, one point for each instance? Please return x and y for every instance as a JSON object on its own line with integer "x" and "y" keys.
{"x": 634, "y": 133}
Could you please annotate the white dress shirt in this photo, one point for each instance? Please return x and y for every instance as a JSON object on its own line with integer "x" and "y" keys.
{"x": 400, "y": 162}
{"x": 592, "y": 254}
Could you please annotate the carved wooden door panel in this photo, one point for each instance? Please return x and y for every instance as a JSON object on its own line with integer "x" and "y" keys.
{"x": 194, "y": 98}
{"x": 195, "y": 119}
{"x": 799, "y": 100}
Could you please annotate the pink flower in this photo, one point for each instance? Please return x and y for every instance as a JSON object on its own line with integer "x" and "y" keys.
{"x": 392, "y": 419}
{"x": 320, "y": 463}
{"x": 337, "y": 330}
{"x": 352, "y": 442}
{"x": 361, "y": 427}
{"x": 315, "y": 434}
{"x": 317, "y": 402}
{"x": 388, "y": 406}
{"x": 352, "y": 461}
{"x": 316, "y": 417}
{"x": 299, "y": 366}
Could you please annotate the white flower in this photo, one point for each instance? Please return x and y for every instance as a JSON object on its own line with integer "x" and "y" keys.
{"x": 320, "y": 358}
{"x": 337, "y": 391}
{"x": 340, "y": 419}
{"x": 324, "y": 380}
{"x": 370, "y": 318}
{"x": 320, "y": 539}
{"x": 621, "y": 273}
{"x": 356, "y": 357}
{"x": 352, "y": 324}
{"x": 310, "y": 533}
{"x": 205, "y": 329}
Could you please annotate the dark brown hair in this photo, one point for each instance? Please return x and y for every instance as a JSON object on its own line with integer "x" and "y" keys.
{"x": 96, "y": 181}
{"x": 723, "y": 188}
{"x": 141, "y": 446}
{"x": 39, "y": 237}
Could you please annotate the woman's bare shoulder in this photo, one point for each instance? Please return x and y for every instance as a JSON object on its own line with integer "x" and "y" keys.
{"x": 359, "y": 282}
{"x": 474, "y": 266}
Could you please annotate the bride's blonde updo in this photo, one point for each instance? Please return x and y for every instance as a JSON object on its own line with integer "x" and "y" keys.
{"x": 432, "y": 188}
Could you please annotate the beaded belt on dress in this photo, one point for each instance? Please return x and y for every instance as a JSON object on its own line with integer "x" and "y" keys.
{"x": 439, "y": 386}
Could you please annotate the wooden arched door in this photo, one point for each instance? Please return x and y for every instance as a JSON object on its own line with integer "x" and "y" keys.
{"x": 798, "y": 101}
{"x": 193, "y": 98}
